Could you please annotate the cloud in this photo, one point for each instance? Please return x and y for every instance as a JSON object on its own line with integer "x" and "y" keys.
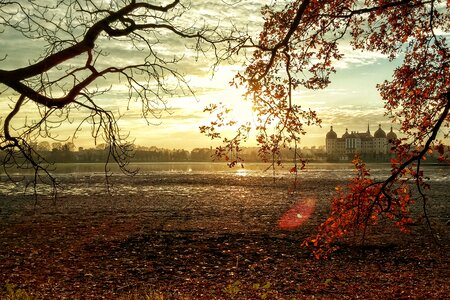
{"x": 353, "y": 117}
{"x": 350, "y": 101}
{"x": 354, "y": 58}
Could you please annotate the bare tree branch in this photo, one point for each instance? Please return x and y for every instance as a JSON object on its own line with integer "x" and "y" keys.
{"x": 74, "y": 65}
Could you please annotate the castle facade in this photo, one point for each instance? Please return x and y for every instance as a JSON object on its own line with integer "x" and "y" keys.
{"x": 364, "y": 144}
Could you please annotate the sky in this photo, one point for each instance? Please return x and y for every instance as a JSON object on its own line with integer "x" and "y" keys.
{"x": 351, "y": 100}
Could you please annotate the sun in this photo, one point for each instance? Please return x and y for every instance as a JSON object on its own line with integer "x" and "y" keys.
{"x": 241, "y": 110}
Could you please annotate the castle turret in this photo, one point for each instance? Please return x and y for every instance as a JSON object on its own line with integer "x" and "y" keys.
{"x": 391, "y": 136}
{"x": 330, "y": 141}
{"x": 379, "y": 134}
{"x": 346, "y": 134}
{"x": 331, "y": 134}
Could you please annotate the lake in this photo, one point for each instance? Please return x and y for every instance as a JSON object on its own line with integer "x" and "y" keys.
{"x": 89, "y": 178}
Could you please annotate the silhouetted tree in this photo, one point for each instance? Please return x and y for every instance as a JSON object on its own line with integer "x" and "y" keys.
{"x": 57, "y": 146}
{"x": 44, "y": 146}
{"x": 78, "y": 64}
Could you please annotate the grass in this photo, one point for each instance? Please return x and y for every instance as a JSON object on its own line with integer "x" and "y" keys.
{"x": 12, "y": 292}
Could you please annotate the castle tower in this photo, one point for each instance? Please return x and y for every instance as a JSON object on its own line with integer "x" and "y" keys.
{"x": 330, "y": 141}
{"x": 391, "y": 136}
{"x": 380, "y": 141}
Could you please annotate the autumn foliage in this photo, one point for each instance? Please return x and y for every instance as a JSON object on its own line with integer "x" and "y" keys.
{"x": 298, "y": 48}
{"x": 362, "y": 202}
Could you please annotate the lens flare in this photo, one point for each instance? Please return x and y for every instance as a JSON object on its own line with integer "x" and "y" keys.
{"x": 298, "y": 214}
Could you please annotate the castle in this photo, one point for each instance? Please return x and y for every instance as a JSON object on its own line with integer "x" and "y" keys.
{"x": 376, "y": 146}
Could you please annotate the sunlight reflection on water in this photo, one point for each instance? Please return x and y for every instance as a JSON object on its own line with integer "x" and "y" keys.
{"x": 242, "y": 172}
{"x": 173, "y": 179}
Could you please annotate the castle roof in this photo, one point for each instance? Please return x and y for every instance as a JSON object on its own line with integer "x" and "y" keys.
{"x": 346, "y": 134}
{"x": 391, "y": 135}
{"x": 356, "y": 135}
{"x": 331, "y": 134}
{"x": 379, "y": 133}
{"x": 366, "y": 136}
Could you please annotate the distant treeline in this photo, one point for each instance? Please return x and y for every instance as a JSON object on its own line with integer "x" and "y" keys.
{"x": 68, "y": 153}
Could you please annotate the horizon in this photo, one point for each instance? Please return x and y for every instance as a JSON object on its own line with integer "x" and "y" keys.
{"x": 339, "y": 131}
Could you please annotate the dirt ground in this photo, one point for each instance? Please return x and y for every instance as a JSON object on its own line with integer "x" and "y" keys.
{"x": 206, "y": 237}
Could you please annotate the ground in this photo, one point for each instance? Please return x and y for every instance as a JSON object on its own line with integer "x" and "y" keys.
{"x": 208, "y": 237}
